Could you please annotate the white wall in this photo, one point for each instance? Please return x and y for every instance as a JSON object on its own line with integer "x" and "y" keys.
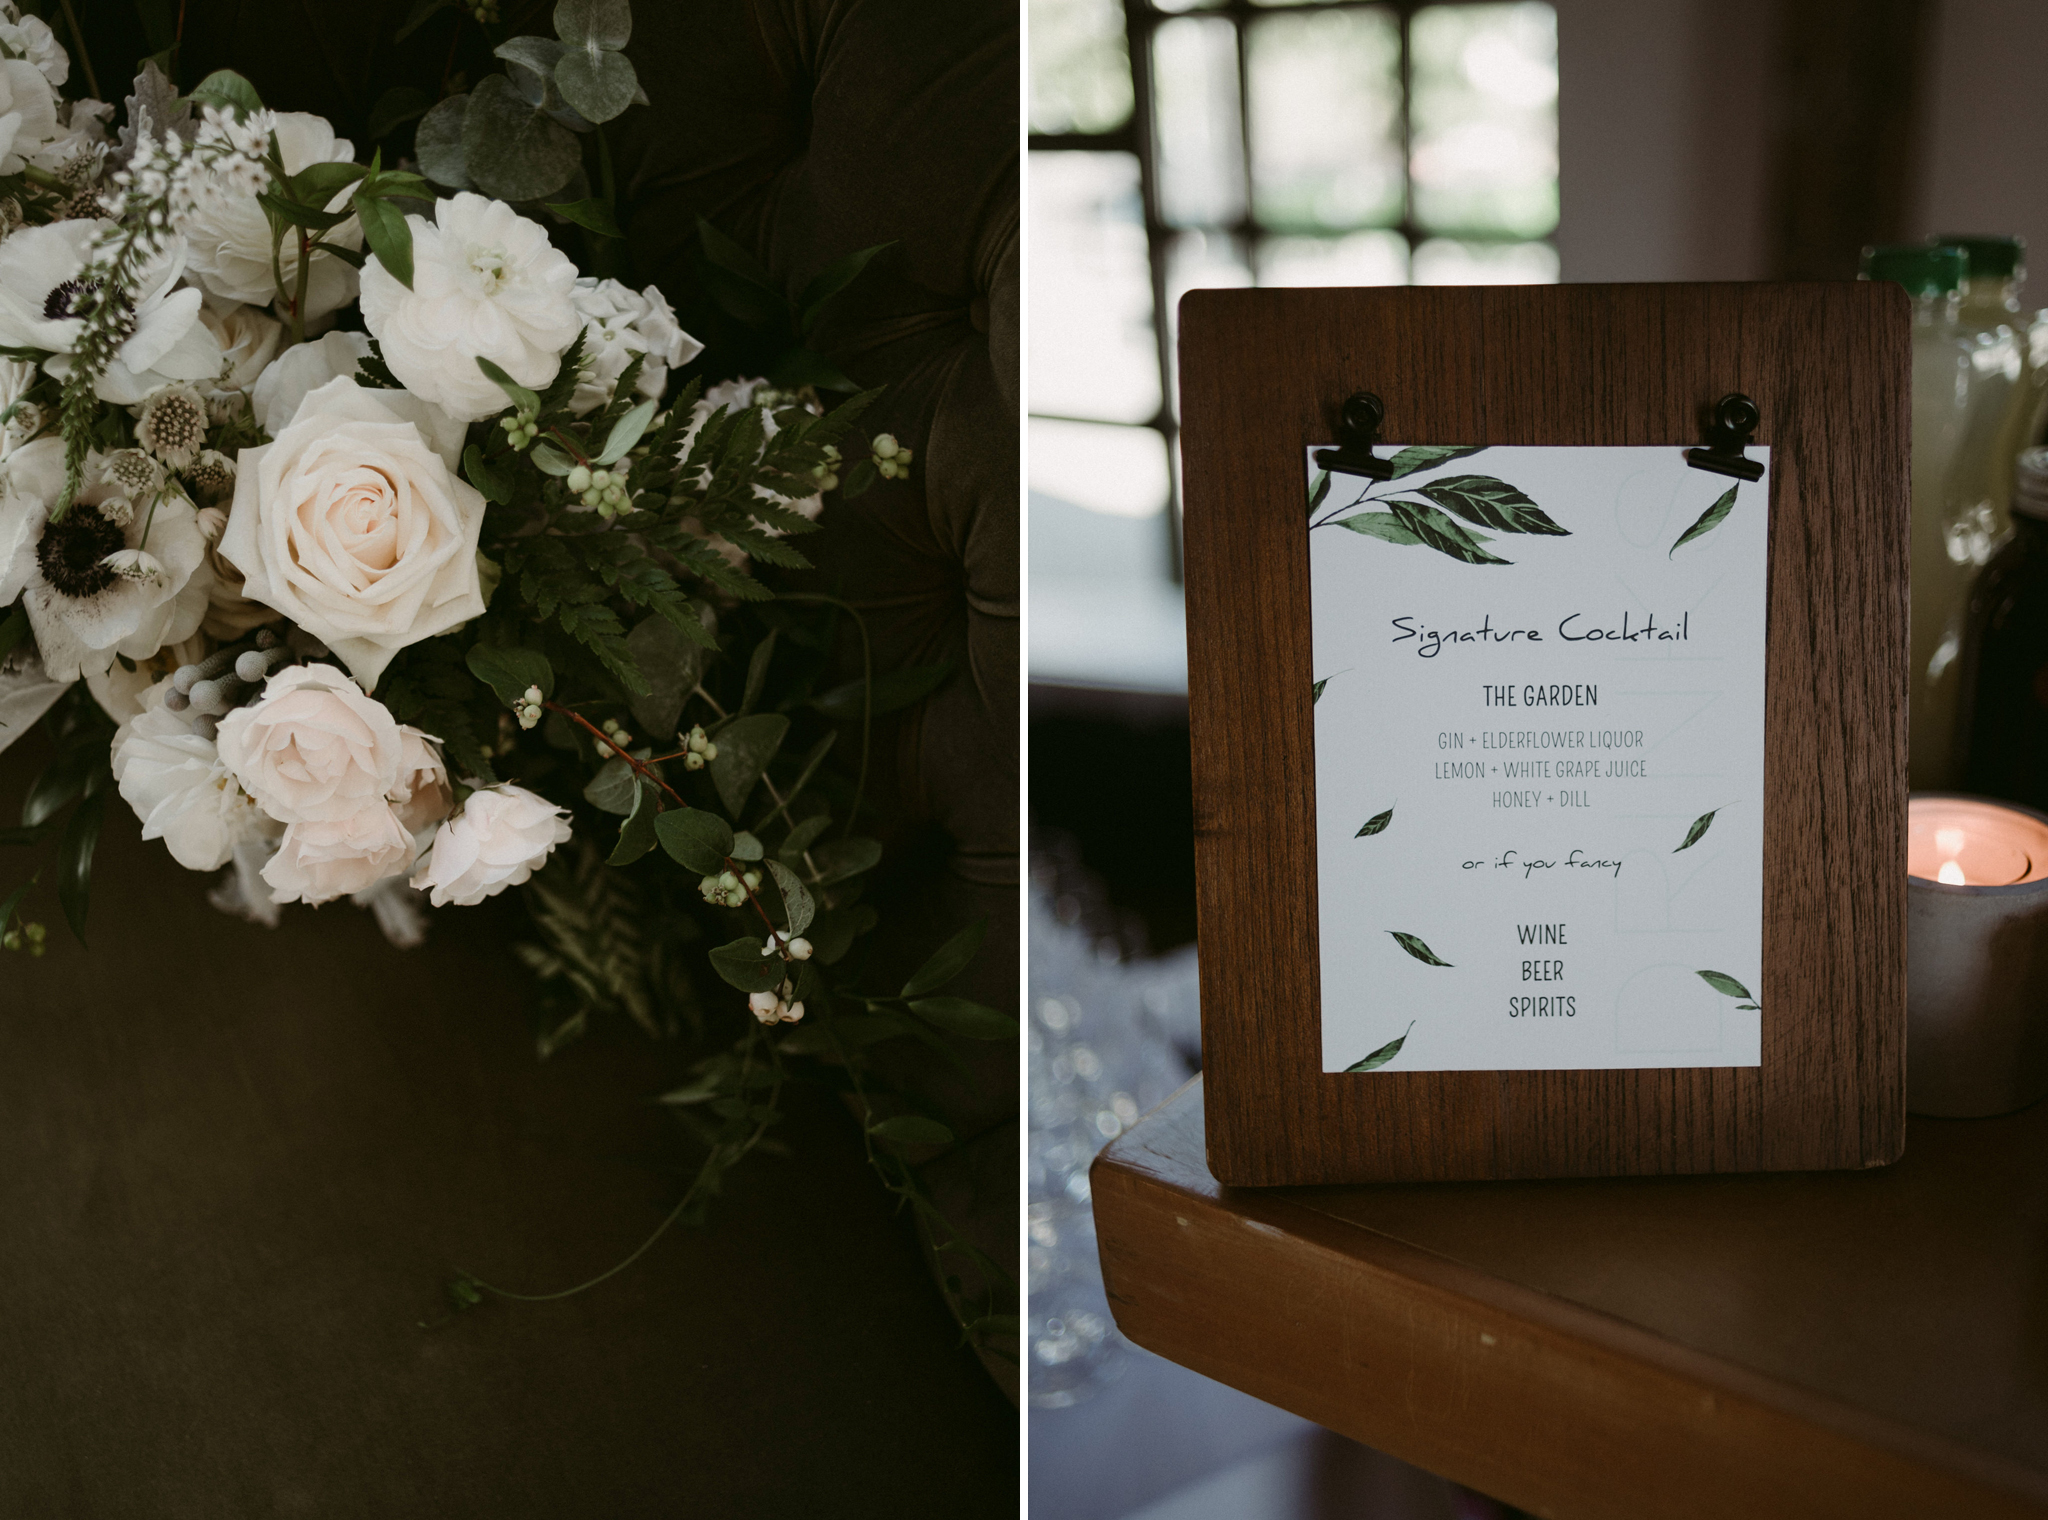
{"x": 1984, "y": 163}
{"x": 1664, "y": 138}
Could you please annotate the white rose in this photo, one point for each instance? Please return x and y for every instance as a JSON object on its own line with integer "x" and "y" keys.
{"x": 230, "y": 234}
{"x": 487, "y": 283}
{"x": 319, "y": 861}
{"x": 502, "y": 836}
{"x": 28, "y": 113}
{"x": 313, "y": 748}
{"x": 424, "y": 794}
{"x": 174, "y": 779}
{"x": 83, "y": 611}
{"x": 39, "y": 289}
{"x": 354, "y": 524}
{"x": 302, "y": 369}
{"x": 248, "y": 339}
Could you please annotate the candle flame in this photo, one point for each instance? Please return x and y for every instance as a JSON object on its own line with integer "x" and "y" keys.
{"x": 1950, "y": 872}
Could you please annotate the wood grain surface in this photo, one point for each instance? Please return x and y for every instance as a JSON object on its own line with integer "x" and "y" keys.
{"x": 1862, "y": 1345}
{"x": 1262, "y": 374}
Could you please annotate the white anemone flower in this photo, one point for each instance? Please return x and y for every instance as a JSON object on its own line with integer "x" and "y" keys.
{"x": 86, "y": 612}
{"x": 40, "y": 292}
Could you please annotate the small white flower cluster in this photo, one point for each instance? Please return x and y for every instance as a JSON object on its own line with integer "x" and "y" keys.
{"x": 776, "y": 1007}
{"x": 168, "y": 181}
{"x": 727, "y": 890}
{"x": 892, "y": 459}
{"x": 698, "y": 750}
{"x": 528, "y": 708}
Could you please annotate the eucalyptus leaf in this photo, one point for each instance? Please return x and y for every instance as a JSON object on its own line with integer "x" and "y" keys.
{"x": 948, "y": 961}
{"x": 1724, "y": 984}
{"x": 599, "y": 85}
{"x": 1417, "y": 948}
{"x": 437, "y": 143}
{"x": 533, "y": 61}
{"x": 1700, "y": 825}
{"x": 594, "y": 24}
{"x": 797, "y": 902}
{"x": 615, "y": 788}
{"x": 1708, "y": 521}
{"x": 1379, "y": 525}
{"x": 1377, "y": 824}
{"x": 697, "y": 839}
{"x": 1491, "y": 504}
{"x": 636, "y": 834}
{"x": 511, "y": 149}
{"x": 1427, "y": 457}
{"x": 745, "y": 746}
{"x": 1384, "y": 1054}
{"x": 672, "y": 665}
{"x": 1443, "y": 534}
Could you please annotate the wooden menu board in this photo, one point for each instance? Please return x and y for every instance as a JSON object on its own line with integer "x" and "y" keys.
{"x": 1516, "y": 370}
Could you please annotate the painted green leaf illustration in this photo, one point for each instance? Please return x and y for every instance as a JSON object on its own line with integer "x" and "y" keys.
{"x": 1428, "y": 457}
{"x": 1443, "y": 534}
{"x": 1427, "y": 956}
{"x": 1700, "y": 825}
{"x": 1749, "y": 1007}
{"x": 1377, "y": 824}
{"x": 1724, "y": 984}
{"x": 1490, "y": 503}
{"x": 1384, "y": 1054}
{"x": 1709, "y": 520}
{"x": 1379, "y": 525}
{"x": 1325, "y": 681}
{"x": 1318, "y": 491}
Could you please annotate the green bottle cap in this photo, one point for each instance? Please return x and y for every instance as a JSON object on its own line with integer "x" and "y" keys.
{"x": 1990, "y": 256}
{"x": 1925, "y": 269}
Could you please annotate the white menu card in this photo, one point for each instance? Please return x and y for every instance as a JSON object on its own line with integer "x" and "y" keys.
{"x": 1539, "y": 760}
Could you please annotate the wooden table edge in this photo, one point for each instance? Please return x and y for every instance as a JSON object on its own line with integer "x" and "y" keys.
{"x": 1727, "y": 1439}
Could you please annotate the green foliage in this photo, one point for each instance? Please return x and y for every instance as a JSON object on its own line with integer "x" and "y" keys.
{"x": 593, "y": 941}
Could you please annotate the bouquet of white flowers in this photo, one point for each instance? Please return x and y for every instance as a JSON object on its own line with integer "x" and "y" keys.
{"x": 353, "y": 538}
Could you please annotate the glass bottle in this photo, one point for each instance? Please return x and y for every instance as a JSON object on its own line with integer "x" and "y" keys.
{"x": 2012, "y": 343}
{"x": 2006, "y": 661}
{"x": 1944, "y": 394}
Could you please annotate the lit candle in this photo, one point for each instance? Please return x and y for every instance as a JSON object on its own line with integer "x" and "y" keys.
{"x": 1976, "y": 956}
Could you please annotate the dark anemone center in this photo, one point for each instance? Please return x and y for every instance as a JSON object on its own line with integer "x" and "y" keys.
{"x": 81, "y": 298}
{"x": 70, "y": 552}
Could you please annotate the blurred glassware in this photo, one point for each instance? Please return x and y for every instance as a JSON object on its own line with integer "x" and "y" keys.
{"x": 1103, "y": 1049}
{"x": 2005, "y": 664}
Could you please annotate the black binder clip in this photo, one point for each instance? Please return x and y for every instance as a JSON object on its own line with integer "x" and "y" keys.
{"x": 1735, "y": 418}
{"x": 1358, "y": 429}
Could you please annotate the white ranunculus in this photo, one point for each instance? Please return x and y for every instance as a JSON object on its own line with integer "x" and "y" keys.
{"x": 487, "y": 283}
{"x": 302, "y": 369}
{"x": 39, "y": 289}
{"x": 317, "y": 862}
{"x": 617, "y": 324}
{"x": 82, "y": 612}
{"x": 28, "y": 113}
{"x": 174, "y": 779}
{"x": 354, "y": 524}
{"x": 313, "y": 748}
{"x": 248, "y": 338}
{"x": 30, "y": 38}
{"x": 502, "y": 836}
{"x": 230, "y": 235}
{"x": 26, "y": 693}
{"x": 424, "y": 794}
